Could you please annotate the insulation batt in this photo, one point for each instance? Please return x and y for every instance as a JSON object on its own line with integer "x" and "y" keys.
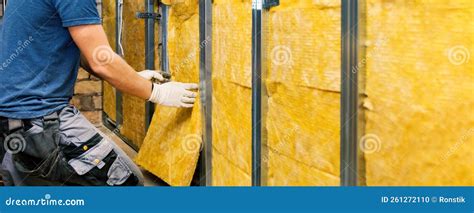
{"x": 172, "y": 144}
{"x": 419, "y": 85}
{"x": 133, "y": 40}
{"x": 109, "y": 27}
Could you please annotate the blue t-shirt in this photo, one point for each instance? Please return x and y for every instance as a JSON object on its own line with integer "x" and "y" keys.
{"x": 38, "y": 58}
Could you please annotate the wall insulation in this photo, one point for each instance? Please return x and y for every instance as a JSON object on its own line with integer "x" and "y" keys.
{"x": 133, "y": 42}
{"x": 303, "y": 84}
{"x": 171, "y": 147}
{"x": 417, "y": 93}
{"x": 108, "y": 102}
{"x": 418, "y": 110}
{"x": 231, "y": 82}
{"x": 302, "y": 151}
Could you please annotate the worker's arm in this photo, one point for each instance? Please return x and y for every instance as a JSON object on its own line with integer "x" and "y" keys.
{"x": 85, "y": 65}
{"x": 105, "y": 63}
{"x": 147, "y": 74}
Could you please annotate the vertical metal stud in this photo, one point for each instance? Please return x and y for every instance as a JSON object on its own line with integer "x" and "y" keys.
{"x": 205, "y": 75}
{"x": 349, "y": 90}
{"x": 164, "y": 38}
{"x": 118, "y": 30}
{"x": 257, "y": 6}
{"x": 149, "y": 55}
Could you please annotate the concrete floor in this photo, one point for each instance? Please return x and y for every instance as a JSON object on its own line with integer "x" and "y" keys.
{"x": 150, "y": 179}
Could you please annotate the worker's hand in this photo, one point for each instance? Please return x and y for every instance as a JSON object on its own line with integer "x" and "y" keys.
{"x": 174, "y": 94}
{"x": 153, "y": 75}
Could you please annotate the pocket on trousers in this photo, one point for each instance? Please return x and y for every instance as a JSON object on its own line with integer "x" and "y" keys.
{"x": 118, "y": 173}
{"x": 93, "y": 158}
{"x": 40, "y": 155}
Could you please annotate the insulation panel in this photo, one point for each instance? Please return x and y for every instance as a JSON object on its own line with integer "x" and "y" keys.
{"x": 303, "y": 85}
{"x": 419, "y": 88}
{"x": 172, "y": 145}
{"x": 133, "y": 42}
{"x": 231, "y": 82}
{"x": 109, "y": 102}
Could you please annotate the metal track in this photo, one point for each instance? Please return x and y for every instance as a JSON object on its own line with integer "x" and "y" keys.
{"x": 118, "y": 94}
{"x": 149, "y": 55}
{"x": 205, "y": 75}
{"x": 349, "y": 90}
{"x": 256, "y": 92}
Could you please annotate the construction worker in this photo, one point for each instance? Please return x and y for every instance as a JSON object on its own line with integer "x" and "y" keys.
{"x": 46, "y": 141}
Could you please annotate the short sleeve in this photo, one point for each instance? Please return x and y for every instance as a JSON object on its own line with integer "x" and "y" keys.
{"x": 77, "y": 12}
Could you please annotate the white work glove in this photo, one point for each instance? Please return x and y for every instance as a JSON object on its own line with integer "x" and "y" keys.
{"x": 174, "y": 94}
{"x": 152, "y": 74}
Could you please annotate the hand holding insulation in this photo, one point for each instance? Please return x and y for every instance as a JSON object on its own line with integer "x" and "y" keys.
{"x": 152, "y": 75}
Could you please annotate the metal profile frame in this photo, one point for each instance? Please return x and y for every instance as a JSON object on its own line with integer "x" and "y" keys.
{"x": 205, "y": 75}
{"x": 118, "y": 94}
{"x": 349, "y": 92}
{"x": 106, "y": 120}
{"x": 259, "y": 93}
{"x": 256, "y": 92}
{"x": 149, "y": 55}
{"x": 349, "y": 88}
{"x": 258, "y": 137}
{"x": 164, "y": 10}
{"x": 149, "y": 63}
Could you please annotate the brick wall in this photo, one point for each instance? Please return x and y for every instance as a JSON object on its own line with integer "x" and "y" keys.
{"x": 88, "y": 96}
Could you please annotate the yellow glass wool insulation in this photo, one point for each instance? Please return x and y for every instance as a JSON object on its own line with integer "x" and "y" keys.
{"x": 171, "y": 147}
{"x": 225, "y": 173}
{"x": 109, "y": 27}
{"x": 303, "y": 83}
{"x": 419, "y": 106}
{"x": 133, "y": 43}
{"x": 231, "y": 81}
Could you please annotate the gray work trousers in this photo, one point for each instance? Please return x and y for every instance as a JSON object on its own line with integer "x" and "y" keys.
{"x": 67, "y": 151}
